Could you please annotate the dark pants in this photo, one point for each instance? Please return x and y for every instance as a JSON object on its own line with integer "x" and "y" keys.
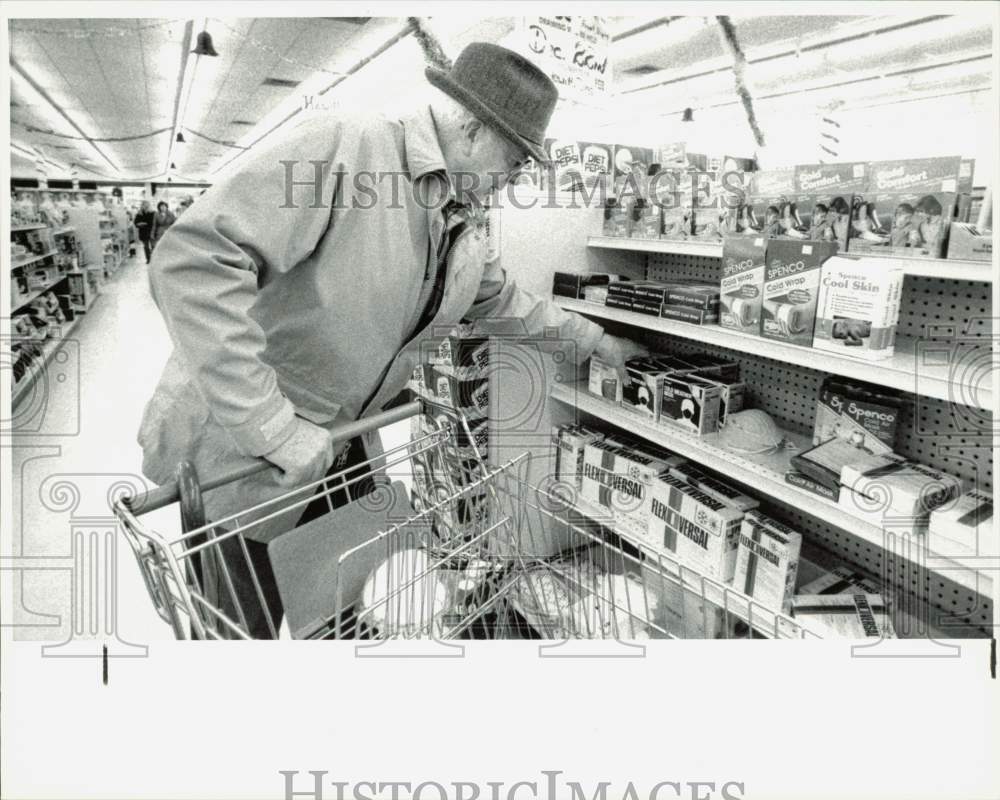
{"x": 147, "y": 247}
{"x": 220, "y": 584}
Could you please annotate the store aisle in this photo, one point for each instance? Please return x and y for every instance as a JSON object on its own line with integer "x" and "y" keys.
{"x": 86, "y": 411}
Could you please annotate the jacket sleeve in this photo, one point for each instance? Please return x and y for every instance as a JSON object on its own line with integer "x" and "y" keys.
{"x": 502, "y": 306}
{"x": 265, "y": 216}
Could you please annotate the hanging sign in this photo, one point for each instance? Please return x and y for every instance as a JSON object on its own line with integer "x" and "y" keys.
{"x": 573, "y": 52}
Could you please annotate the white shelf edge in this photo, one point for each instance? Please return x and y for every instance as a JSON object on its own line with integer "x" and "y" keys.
{"x": 898, "y": 372}
{"x": 954, "y": 269}
{"x": 50, "y": 348}
{"x": 757, "y": 476}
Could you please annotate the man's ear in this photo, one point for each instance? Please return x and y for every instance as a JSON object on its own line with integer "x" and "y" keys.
{"x": 473, "y": 130}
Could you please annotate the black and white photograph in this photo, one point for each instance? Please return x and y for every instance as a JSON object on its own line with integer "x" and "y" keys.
{"x": 499, "y": 403}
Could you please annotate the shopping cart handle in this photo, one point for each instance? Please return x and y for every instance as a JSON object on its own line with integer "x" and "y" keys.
{"x": 168, "y": 493}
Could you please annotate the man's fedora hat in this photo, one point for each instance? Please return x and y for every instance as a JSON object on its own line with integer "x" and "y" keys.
{"x": 504, "y": 90}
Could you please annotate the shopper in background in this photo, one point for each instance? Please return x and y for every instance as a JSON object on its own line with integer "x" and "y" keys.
{"x": 144, "y": 227}
{"x": 183, "y": 205}
{"x": 290, "y": 313}
{"x": 162, "y": 220}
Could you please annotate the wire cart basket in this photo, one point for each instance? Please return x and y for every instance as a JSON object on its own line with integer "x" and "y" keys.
{"x": 492, "y": 555}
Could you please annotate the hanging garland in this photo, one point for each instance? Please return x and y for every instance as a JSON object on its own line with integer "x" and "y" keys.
{"x": 232, "y": 145}
{"x": 50, "y": 132}
{"x": 87, "y": 33}
{"x": 272, "y": 50}
{"x": 433, "y": 51}
{"x": 731, "y": 43}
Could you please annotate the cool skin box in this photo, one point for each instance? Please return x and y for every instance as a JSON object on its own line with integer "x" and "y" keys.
{"x": 858, "y": 308}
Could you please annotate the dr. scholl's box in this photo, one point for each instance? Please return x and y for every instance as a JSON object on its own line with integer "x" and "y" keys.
{"x": 914, "y": 203}
{"x": 691, "y": 403}
{"x": 697, "y": 529}
{"x": 741, "y": 291}
{"x": 791, "y": 289}
{"x": 858, "y": 308}
{"x": 767, "y": 561}
{"x": 618, "y": 480}
{"x": 824, "y": 195}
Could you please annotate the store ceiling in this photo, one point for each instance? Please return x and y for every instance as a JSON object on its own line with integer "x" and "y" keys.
{"x": 125, "y": 77}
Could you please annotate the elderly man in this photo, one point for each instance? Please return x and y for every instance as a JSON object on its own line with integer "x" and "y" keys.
{"x": 298, "y": 298}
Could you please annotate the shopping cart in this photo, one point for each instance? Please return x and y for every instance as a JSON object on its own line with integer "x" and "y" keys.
{"x": 492, "y": 555}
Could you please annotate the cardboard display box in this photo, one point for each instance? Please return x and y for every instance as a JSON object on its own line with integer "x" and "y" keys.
{"x": 742, "y": 287}
{"x": 791, "y": 289}
{"x": 767, "y": 561}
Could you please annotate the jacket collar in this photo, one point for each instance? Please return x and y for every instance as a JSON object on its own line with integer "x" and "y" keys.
{"x": 423, "y": 151}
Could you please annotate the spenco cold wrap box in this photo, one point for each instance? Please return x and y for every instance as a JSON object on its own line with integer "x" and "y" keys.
{"x": 824, "y": 195}
{"x": 791, "y": 289}
{"x": 856, "y": 412}
{"x": 877, "y": 487}
{"x": 617, "y": 479}
{"x": 965, "y": 528}
{"x": 569, "y": 442}
{"x": 700, "y": 531}
{"x": 850, "y": 616}
{"x": 741, "y": 291}
{"x": 767, "y": 561}
{"x": 858, "y": 308}
{"x": 910, "y": 207}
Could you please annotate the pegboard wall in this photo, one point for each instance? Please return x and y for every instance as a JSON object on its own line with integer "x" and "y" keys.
{"x": 933, "y": 432}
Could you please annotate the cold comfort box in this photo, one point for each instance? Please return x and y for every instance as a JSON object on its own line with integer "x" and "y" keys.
{"x": 741, "y": 290}
{"x": 858, "y": 308}
{"x": 698, "y": 530}
{"x": 791, "y": 289}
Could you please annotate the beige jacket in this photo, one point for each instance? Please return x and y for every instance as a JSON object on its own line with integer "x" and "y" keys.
{"x": 297, "y": 299}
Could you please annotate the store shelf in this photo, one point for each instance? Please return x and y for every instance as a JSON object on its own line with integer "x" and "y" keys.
{"x": 49, "y": 349}
{"x": 763, "y": 473}
{"x": 21, "y": 228}
{"x": 26, "y": 261}
{"x": 61, "y": 231}
{"x": 34, "y": 293}
{"x": 953, "y": 269}
{"x": 959, "y": 383}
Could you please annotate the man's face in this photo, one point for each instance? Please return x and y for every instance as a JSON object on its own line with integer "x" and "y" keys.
{"x": 489, "y": 160}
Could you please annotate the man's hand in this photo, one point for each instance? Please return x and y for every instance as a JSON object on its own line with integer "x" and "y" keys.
{"x": 615, "y": 351}
{"x": 305, "y": 457}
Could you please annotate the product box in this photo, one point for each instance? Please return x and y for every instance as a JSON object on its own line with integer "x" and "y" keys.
{"x": 621, "y": 294}
{"x": 706, "y": 202}
{"x": 470, "y": 396}
{"x": 617, "y": 215}
{"x": 596, "y": 294}
{"x": 569, "y": 442}
{"x": 910, "y": 206}
{"x": 617, "y": 479}
{"x": 769, "y": 210}
{"x": 858, "y": 308}
{"x": 806, "y": 483}
{"x": 767, "y": 561}
{"x": 741, "y": 290}
{"x": 698, "y": 296}
{"x": 691, "y": 403}
{"x": 651, "y": 290}
{"x": 675, "y": 200}
{"x": 645, "y": 223}
{"x": 604, "y": 380}
{"x": 578, "y": 164}
{"x": 574, "y": 284}
{"x": 791, "y": 289}
{"x": 630, "y": 162}
{"x": 651, "y": 308}
{"x": 687, "y": 314}
{"x": 644, "y": 394}
{"x": 698, "y": 530}
{"x": 967, "y": 242}
{"x": 848, "y": 616}
{"x": 732, "y": 397}
{"x": 466, "y": 355}
{"x": 963, "y": 203}
{"x": 839, "y": 580}
{"x": 825, "y": 462}
{"x": 716, "y": 367}
{"x": 859, "y": 413}
{"x": 964, "y": 528}
{"x": 696, "y": 475}
{"x": 880, "y": 486}
{"x": 824, "y": 195}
